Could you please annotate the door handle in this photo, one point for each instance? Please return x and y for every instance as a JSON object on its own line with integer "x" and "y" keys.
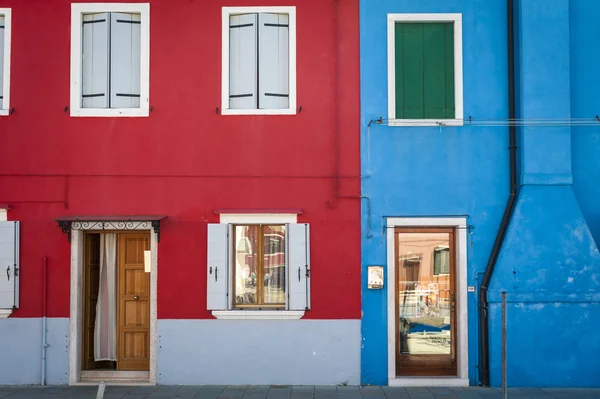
{"x": 8, "y": 273}
{"x": 135, "y": 297}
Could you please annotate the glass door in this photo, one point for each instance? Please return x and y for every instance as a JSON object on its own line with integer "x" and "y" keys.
{"x": 425, "y": 301}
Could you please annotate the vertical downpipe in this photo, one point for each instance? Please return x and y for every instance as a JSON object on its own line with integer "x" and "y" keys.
{"x": 484, "y": 349}
{"x": 44, "y": 320}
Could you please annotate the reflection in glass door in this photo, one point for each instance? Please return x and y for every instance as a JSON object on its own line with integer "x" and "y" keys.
{"x": 425, "y": 301}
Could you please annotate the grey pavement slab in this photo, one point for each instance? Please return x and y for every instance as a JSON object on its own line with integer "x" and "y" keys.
{"x": 288, "y": 392}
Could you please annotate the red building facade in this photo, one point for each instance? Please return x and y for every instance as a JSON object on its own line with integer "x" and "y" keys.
{"x": 186, "y": 165}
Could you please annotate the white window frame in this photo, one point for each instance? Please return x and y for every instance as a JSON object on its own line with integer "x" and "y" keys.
{"x": 5, "y": 102}
{"x": 227, "y": 12}
{"x": 458, "y": 69}
{"x": 253, "y": 218}
{"x": 77, "y": 11}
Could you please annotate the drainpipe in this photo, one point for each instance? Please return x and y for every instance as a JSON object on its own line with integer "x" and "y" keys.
{"x": 44, "y": 321}
{"x": 510, "y": 205}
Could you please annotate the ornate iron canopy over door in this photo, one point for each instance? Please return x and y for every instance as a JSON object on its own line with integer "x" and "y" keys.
{"x": 69, "y": 223}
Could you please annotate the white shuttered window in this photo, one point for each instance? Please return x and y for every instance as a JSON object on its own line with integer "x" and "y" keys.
{"x": 111, "y": 53}
{"x": 259, "y": 60}
{"x": 227, "y": 258}
{"x": 9, "y": 265}
{"x": 5, "y": 34}
{"x": 110, "y": 45}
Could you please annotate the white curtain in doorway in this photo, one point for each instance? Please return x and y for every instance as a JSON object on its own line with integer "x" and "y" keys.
{"x": 105, "y": 330}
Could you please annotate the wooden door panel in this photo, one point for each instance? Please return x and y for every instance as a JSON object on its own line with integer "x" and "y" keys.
{"x": 134, "y": 303}
{"x": 136, "y": 315}
{"x": 136, "y": 346}
{"x": 136, "y": 282}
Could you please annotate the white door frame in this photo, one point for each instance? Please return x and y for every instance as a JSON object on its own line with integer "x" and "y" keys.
{"x": 462, "y": 347}
{"x": 76, "y": 312}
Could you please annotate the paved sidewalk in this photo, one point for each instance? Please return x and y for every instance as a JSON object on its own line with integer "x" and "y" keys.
{"x": 285, "y": 392}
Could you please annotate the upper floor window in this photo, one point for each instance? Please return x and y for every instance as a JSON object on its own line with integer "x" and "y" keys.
{"x": 425, "y": 69}
{"x": 5, "y": 30}
{"x": 259, "y": 60}
{"x": 110, "y": 59}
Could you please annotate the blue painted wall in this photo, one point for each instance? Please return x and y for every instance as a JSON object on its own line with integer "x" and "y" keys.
{"x": 549, "y": 264}
{"x": 422, "y": 171}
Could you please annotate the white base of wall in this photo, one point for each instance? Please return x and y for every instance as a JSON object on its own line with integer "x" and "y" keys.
{"x": 428, "y": 382}
{"x": 21, "y": 351}
{"x": 259, "y": 352}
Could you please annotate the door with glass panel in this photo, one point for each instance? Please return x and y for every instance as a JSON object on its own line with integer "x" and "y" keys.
{"x": 425, "y": 301}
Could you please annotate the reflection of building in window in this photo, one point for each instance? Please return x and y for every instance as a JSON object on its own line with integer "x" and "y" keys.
{"x": 260, "y": 265}
{"x": 441, "y": 261}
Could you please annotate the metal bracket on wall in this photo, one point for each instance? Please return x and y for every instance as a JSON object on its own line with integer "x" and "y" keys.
{"x": 68, "y": 224}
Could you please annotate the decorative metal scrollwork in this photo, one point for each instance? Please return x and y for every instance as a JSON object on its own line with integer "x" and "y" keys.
{"x": 68, "y": 225}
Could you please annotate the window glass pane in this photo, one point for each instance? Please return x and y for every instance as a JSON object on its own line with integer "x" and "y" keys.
{"x": 274, "y": 264}
{"x": 424, "y": 295}
{"x": 246, "y": 257}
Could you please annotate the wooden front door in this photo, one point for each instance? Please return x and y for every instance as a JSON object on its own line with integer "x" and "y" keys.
{"x": 133, "y": 348}
{"x": 426, "y": 329}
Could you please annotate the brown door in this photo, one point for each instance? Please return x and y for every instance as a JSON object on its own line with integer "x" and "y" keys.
{"x": 134, "y": 303}
{"x": 91, "y": 276}
{"x": 425, "y": 301}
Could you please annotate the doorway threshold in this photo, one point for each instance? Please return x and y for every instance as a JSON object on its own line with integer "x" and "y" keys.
{"x": 113, "y": 377}
{"x": 451, "y": 381}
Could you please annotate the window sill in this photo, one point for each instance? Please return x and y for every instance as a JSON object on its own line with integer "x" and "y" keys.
{"x": 114, "y": 112}
{"x": 258, "y": 314}
{"x": 4, "y": 313}
{"x": 425, "y": 122}
{"x": 3, "y": 112}
{"x": 288, "y": 111}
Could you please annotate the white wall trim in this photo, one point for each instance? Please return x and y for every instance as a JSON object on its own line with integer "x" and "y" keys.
{"x": 5, "y": 102}
{"x": 458, "y": 69}
{"x": 3, "y": 215}
{"x": 4, "y": 313}
{"x": 77, "y": 10}
{"x": 460, "y": 223}
{"x": 76, "y": 306}
{"x": 258, "y": 314}
{"x": 227, "y": 11}
{"x": 258, "y": 218}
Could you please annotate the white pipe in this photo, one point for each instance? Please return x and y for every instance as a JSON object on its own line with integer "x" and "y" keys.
{"x": 44, "y": 320}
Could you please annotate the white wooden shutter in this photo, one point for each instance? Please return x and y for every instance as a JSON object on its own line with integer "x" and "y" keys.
{"x": 298, "y": 239}
{"x": 9, "y": 265}
{"x": 125, "y": 57}
{"x": 94, "y": 61}
{"x": 273, "y": 61}
{"x": 218, "y": 267}
{"x": 242, "y": 61}
{"x": 2, "y": 30}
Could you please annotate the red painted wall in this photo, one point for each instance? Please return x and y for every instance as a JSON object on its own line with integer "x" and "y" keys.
{"x": 184, "y": 160}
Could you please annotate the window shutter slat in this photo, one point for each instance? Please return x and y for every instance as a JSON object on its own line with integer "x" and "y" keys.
{"x": 298, "y": 266}
{"x": 125, "y": 56}
{"x": 450, "y": 105}
{"x": 409, "y": 77}
{"x": 217, "y": 266}
{"x": 434, "y": 64}
{"x": 2, "y": 30}
{"x": 242, "y": 61}
{"x": 273, "y": 61}
{"x": 9, "y": 265}
{"x": 94, "y": 66}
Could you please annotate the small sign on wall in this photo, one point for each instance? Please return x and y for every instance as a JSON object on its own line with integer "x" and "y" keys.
{"x": 375, "y": 277}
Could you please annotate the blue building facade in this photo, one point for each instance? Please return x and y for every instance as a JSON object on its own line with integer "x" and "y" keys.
{"x": 436, "y": 99}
